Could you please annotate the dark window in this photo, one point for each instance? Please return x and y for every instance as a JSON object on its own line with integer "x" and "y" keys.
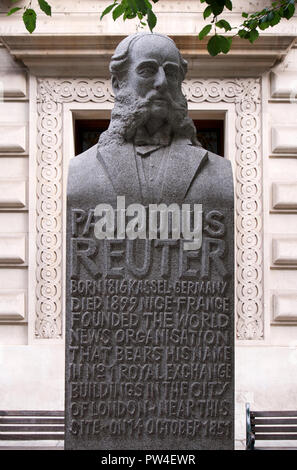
{"x": 210, "y": 133}
{"x": 87, "y": 133}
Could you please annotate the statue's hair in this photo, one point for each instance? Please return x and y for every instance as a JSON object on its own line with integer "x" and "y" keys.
{"x": 120, "y": 60}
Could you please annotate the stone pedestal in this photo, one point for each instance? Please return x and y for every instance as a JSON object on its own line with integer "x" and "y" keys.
{"x": 150, "y": 322}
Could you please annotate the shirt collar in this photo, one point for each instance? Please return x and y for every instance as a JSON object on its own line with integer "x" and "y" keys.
{"x": 145, "y": 150}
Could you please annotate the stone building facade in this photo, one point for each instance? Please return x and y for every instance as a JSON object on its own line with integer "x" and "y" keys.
{"x": 58, "y": 75}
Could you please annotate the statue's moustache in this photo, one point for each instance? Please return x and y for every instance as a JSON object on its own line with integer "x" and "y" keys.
{"x": 128, "y": 96}
{"x": 162, "y": 97}
{"x": 155, "y": 96}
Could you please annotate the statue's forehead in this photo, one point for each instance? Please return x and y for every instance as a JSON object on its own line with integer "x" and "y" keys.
{"x": 154, "y": 47}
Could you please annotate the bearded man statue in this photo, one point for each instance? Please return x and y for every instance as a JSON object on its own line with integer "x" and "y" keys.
{"x": 150, "y": 152}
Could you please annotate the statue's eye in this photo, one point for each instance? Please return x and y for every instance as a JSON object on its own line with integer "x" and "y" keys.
{"x": 171, "y": 72}
{"x": 147, "y": 71}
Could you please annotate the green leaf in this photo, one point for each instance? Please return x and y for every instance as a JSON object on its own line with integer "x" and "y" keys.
{"x": 214, "y": 45}
{"x": 224, "y": 24}
{"x": 13, "y": 10}
{"x": 151, "y": 19}
{"x": 225, "y": 44}
{"x": 289, "y": 11}
{"x": 252, "y": 24}
{"x": 217, "y": 8}
{"x": 264, "y": 25}
{"x": 228, "y": 4}
{"x": 118, "y": 11}
{"x": 207, "y": 12}
{"x": 281, "y": 12}
{"x": 107, "y": 10}
{"x": 204, "y": 32}
{"x": 276, "y": 19}
{"x": 148, "y": 4}
{"x": 245, "y": 15}
{"x": 242, "y": 33}
{"x": 29, "y": 19}
{"x": 45, "y": 7}
{"x": 128, "y": 14}
{"x": 132, "y": 5}
{"x": 253, "y": 35}
{"x": 142, "y": 6}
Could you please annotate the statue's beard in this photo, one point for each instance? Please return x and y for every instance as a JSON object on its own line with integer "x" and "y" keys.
{"x": 132, "y": 112}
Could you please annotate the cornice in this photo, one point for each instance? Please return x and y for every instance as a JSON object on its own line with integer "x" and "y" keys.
{"x": 60, "y": 55}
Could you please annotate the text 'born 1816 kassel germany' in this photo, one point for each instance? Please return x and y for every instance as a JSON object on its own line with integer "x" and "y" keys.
{"x": 150, "y": 270}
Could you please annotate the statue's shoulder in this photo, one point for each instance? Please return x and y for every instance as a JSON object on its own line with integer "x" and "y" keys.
{"x": 221, "y": 165}
{"x": 218, "y": 160}
{"x": 215, "y": 163}
{"x": 84, "y": 160}
{"x": 82, "y": 171}
{"x": 216, "y": 178}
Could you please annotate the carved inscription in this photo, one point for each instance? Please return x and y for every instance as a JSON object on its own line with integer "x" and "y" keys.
{"x": 149, "y": 336}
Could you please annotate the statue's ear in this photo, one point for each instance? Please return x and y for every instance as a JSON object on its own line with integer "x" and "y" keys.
{"x": 115, "y": 84}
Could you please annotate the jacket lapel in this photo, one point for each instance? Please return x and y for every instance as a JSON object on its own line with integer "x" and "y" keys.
{"x": 120, "y": 165}
{"x": 184, "y": 162}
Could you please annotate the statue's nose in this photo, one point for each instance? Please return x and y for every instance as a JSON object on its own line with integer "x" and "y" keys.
{"x": 160, "y": 80}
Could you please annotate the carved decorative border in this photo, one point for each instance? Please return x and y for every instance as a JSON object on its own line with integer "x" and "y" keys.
{"x": 245, "y": 94}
